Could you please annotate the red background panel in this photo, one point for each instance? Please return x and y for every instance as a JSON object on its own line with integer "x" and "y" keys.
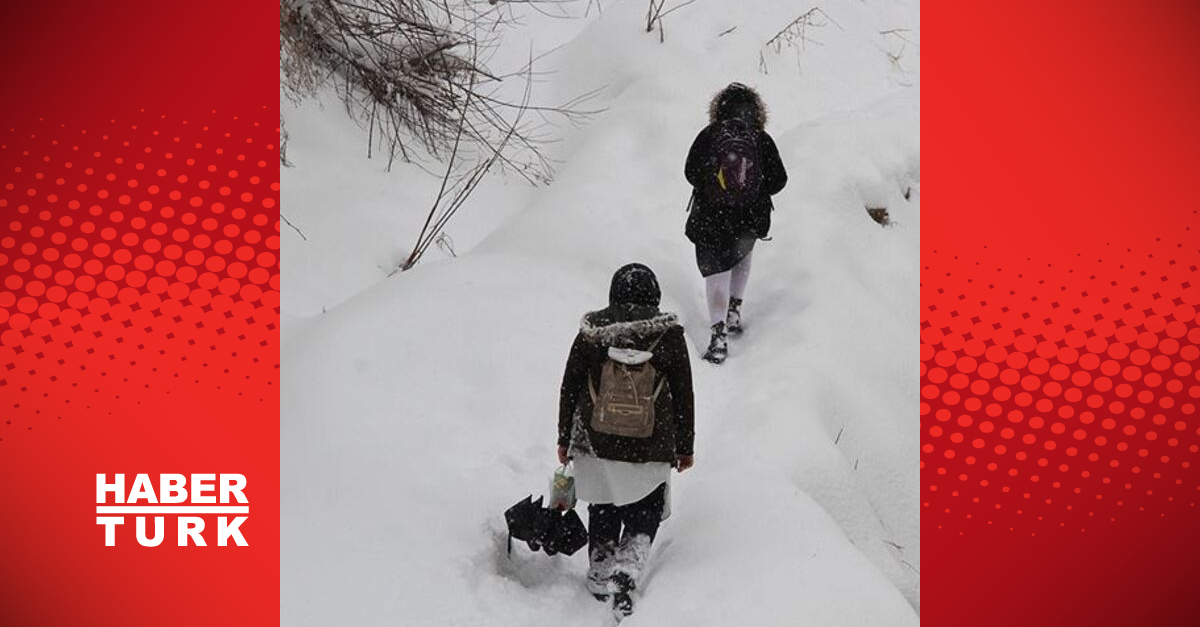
{"x": 1058, "y": 259}
{"x": 1059, "y": 299}
{"x": 139, "y": 277}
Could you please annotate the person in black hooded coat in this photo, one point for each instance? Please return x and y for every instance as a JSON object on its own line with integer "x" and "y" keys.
{"x": 624, "y": 479}
{"x": 724, "y": 235}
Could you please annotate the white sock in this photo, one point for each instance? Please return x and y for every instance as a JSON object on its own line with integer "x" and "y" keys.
{"x": 739, "y": 276}
{"x": 717, "y": 286}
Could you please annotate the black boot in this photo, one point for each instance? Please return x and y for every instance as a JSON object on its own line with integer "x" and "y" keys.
{"x": 599, "y": 573}
{"x": 733, "y": 319}
{"x": 621, "y": 585}
{"x": 718, "y": 348}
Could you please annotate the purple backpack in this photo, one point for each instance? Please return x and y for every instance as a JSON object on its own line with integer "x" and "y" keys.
{"x": 735, "y": 171}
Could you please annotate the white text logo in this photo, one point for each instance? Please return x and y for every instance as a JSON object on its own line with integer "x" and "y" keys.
{"x": 178, "y": 496}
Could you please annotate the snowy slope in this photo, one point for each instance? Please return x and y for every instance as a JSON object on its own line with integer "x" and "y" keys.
{"x": 419, "y": 408}
{"x": 352, "y": 220}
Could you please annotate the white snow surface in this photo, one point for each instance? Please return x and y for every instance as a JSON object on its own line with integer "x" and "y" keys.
{"x": 417, "y": 408}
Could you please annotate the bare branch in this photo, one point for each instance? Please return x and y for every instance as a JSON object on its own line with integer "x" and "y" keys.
{"x": 414, "y": 74}
{"x": 796, "y": 34}
{"x": 795, "y": 31}
{"x": 674, "y": 9}
{"x": 455, "y": 190}
{"x": 294, "y": 227}
{"x": 412, "y": 258}
{"x": 655, "y": 14}
{"x": 404, "y": 69}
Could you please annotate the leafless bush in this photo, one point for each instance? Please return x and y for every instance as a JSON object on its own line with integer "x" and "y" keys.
{"x": 796, "y": 34}
{"x": 409, "y": 71}
{"x": 458, "y": 183}
{"x": 414, "y": 74}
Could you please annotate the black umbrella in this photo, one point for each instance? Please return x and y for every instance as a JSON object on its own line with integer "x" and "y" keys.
{"x": 545, "y": 529}
{"x": 569, "y": 533}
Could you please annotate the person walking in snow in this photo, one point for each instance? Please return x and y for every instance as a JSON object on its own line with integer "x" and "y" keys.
{"x": 734, "y": 168}
{"x": 625, "y": 419}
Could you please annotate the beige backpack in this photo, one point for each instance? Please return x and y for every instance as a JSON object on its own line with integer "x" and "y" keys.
{"x": 624, "y": 404}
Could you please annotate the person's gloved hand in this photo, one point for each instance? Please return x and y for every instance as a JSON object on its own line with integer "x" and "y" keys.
{"x": 683, "y": 462}
{"x": 562, "y": 455}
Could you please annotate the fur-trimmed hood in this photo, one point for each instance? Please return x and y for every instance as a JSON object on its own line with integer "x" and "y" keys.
{"x": 732, "y": 96}
{"x": 625, "y": 326}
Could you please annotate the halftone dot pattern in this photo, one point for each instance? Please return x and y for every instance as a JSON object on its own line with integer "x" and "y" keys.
{"x": 146, "y": 248}
{"x": 1061, "y": 396}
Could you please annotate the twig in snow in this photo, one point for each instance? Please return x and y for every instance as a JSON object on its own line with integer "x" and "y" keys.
{"x": 795, "y": 33}
{"x": 446, "y": 244}
{"x": 839, "y": 436}
{"x": 457, "y": 186}
{"x": 674, "y": 9}
{"x": 726, "y": 31}
{"x": 899, "y": 33}
{"x": 415, "y": 254}
{"x": 655, "y": 15}
{"x": 294, "y": 227}
{"x": 283, "y": 143}
{"x": 895, "y": 58}
{"x": 796, "y": 30}
{"x": 535, "y": 5}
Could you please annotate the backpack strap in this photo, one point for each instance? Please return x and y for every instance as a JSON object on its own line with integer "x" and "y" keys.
{"x": 662, "y": 380}
{"x": 662, "y": 377}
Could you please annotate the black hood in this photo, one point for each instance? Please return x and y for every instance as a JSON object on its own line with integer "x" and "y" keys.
{"x": 632, "y": 314}
{"x": 634, "y": 284}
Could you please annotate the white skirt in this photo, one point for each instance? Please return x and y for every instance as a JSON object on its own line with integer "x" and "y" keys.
{"x": 602, "y": 481}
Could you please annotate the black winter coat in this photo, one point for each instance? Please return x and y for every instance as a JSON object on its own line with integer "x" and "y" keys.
{"x": 718, "y": 227}
{"x": 629, "y": 327}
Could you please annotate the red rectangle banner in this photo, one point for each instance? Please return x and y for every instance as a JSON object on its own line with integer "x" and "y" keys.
{"x": 1059, "y": 297}
{"x": 139, "y": 278}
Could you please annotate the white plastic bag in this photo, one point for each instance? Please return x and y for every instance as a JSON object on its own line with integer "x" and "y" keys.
{"x": 562, "y": 489}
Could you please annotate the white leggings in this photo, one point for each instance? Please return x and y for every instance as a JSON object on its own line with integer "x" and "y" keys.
{"x": 722, "y": 286}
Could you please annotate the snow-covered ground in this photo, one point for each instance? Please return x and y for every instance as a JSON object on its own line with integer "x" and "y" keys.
{"x": 417, "y": 408}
